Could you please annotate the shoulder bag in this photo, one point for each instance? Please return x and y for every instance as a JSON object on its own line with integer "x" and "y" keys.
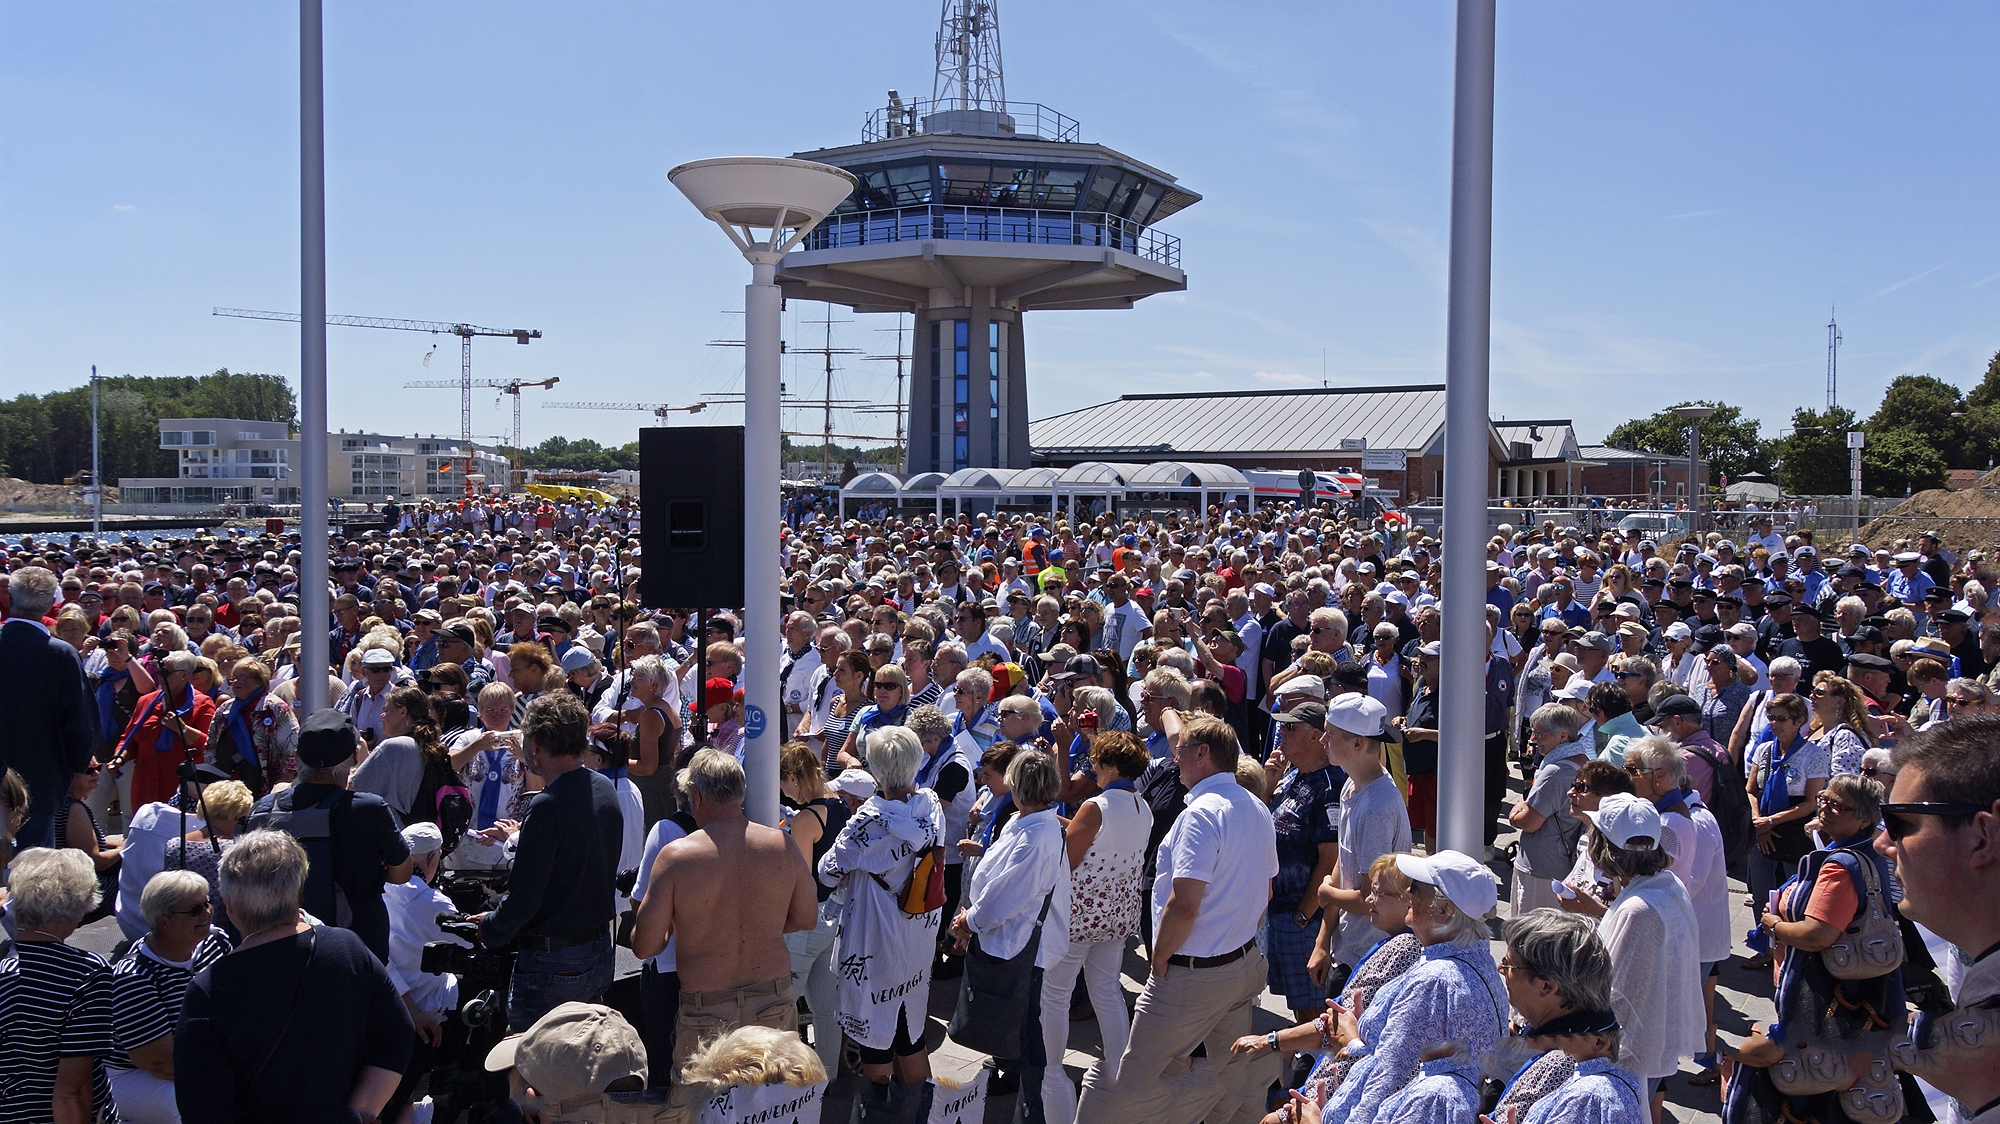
{"x": 993, "y": 995}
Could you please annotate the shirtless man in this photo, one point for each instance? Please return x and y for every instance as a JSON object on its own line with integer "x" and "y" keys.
{"x": 727, "y": 894}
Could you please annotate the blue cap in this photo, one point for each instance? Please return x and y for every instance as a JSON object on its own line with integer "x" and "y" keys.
{"x": 1056, "y": 555}
{"x": 1130, "y": 540}
{"x": 502, "y": 568}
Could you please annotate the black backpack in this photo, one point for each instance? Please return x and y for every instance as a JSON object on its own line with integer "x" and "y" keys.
{"x": 1729, "y": 804}
{"x": 313, "y": 827}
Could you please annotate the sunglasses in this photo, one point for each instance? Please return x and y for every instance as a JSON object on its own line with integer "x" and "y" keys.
{"x": 1580, "y": 787}
{"x": 199, "y": 909}
{"x": 1897, "y": 821}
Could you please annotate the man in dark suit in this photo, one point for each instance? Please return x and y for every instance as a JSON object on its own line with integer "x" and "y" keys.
{"x": 51, "y": 726}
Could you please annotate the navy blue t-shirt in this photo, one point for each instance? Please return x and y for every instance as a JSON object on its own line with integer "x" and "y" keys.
{"x": 1306, "y": 811}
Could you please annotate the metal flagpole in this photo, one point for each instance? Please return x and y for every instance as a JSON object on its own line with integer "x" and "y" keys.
{"x": 1462, "y": 667}
{"x": 315, "y": 604}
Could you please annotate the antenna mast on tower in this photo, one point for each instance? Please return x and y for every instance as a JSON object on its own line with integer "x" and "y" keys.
{"x": 1832, "y": 361}
{"x": 968, "y": 57}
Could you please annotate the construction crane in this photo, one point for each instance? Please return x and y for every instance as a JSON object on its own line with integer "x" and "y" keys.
{"x": 504, "y": 386}
{"x": 465, "y": 332}
{"x": 659, "y": 410}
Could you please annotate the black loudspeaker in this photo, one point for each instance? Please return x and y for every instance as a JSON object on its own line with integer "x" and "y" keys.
{"x": 691, "y": 517}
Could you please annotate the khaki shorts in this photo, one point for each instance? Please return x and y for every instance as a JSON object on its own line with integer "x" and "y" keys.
{"x": 707, "y": 1015}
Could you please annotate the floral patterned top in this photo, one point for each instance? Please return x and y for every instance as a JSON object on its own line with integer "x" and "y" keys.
{"x": 1105, "y": 888}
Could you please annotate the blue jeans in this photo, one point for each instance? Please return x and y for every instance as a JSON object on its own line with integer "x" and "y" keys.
{"x": 544, "y": 981}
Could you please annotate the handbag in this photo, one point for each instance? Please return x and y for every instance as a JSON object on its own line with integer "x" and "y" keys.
{"x": 1873, "y": 945}
{"x": 993, "y": 995}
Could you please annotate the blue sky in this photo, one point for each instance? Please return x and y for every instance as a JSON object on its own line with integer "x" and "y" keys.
{"x": 1681, "y": 192}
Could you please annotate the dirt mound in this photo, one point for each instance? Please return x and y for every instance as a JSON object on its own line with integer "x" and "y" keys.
{"x": 1967, "y": 519}
{"x": 21, "y": 493}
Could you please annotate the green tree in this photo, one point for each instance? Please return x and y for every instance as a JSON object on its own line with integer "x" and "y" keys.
{"x": 45, "y": 438}
{"x": 1899, "y": 461}
{"x": 1812, "y": 459}
{"x": 1729, "y": 441}
{"x": 1924, "y": 406}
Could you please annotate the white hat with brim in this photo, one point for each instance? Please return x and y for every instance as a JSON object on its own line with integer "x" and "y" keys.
{"x": 1463, "y": 880}
{"x": 1623, "y": 817}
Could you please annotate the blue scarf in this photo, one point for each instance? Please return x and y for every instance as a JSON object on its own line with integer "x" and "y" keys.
{"x": 107, "y": 703}
{"x": 1677, "y": 799}
{"x": 1129, "y": 786}
{"x": 165, "y": 742}
{"x": 239, "y": 725}
{"x": 993, "y": 819}
{"x": 489, "y": 793}
{"x": 1777, "y": 796}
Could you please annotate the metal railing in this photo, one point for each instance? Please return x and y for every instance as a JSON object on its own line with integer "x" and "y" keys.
{"x": 994, "y": 224}
{"x": 1029, "y": 119}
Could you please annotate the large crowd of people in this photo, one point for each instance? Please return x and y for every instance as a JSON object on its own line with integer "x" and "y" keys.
{"x": 1016, "y": 751}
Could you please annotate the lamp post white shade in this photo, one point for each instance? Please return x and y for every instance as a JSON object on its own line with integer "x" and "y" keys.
{"x": 766, "y": 205}
{"x": 748, "y": 194}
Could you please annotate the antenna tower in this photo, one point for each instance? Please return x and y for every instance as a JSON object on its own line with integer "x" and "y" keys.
{"x": 1832, "y": 361}
{"x": 968, "y": 57}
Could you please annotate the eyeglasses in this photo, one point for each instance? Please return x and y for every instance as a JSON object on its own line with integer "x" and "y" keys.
{"x": 1829, "y": 804}
{"x": 1580, "y": 787}
{"x": 199, "y": 909}
{"x": 1895, "y": 817}
{"x": 1876, "y": 771}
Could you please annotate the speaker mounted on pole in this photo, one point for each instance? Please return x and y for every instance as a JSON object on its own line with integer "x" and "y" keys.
{"x": 691, "y": 517}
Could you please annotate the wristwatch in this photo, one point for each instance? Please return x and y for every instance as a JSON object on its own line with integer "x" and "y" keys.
{"x": 1271, "y": 1040}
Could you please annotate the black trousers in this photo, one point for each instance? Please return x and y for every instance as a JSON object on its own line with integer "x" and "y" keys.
{"x": 660, "y": 1006}
{"x": 1496, "y": 783}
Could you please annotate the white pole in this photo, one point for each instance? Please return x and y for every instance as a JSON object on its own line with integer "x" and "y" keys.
{"x": 96, "y": 464}
{"x": 1462, "y": 706}
{"x": 315, "y": 605}
{"x": 762, "y": 638}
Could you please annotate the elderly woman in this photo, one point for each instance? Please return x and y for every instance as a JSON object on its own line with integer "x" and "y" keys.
{"x": 881, "y": 998}
{"x": 301, "y": 1021}
{"x": 1828, "y": 896}
{"x": 227, "y": 804}
{"x": 1652, "y": 934}
{"x": 491, "y": 766}
{"x": 1785, "y": 777}
{"x": 1722, "y": 694}
{"x": 1106, "y": 844}
{"x": 58, "y": 1007}
{"x": 1018, "y": 896}
{"x": 1454, "y": 994}
{"x": 888, "y": 705}
{"x": 256, "y": 732}
{"x": 1395, "y": 951}
{"x": 654, "y": 737}
{"x": 149, "y": 984}
{"x": 978, "y": 713}
{"x": 1693, "y": 838}
{"x": 1547, "y": 846}
{"x": 1558, "y": 975}
{"x": 166, "y": 727}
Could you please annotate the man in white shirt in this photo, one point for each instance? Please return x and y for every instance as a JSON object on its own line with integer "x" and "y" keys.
{"x": 413, "y": 923}
{"x": 1209, "y": 899}
{"x": 147, "y": 833}
{"x": 970, "y": 623}
{"x": 1125, "y": 624}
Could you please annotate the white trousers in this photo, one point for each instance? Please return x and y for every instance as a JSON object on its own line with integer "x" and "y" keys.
{"x": 1101, "y": 963}
{"x": 143, "y": 1098}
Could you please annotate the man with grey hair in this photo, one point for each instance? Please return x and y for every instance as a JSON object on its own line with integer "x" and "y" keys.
{"x": 728, "y": 892}
{"x": 51, "y": 725}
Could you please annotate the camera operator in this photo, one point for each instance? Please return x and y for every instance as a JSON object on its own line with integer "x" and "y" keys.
{"x": 560, "y": 896}
{"x": 350, "y": 838}
{"x": 431, "y": 998}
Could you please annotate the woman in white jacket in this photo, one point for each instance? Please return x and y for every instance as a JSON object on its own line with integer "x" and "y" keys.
{"x": 882, "y": 958}
{"x": 1650, "y": 930}
{"x": 1021, "y": 891}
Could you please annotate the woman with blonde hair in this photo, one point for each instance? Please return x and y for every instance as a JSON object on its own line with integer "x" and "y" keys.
{"x": 1839, "y": 723}
{"x": 814, "y": 818}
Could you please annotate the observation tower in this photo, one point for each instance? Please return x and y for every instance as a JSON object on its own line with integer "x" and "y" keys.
{"x": 972, "y": 210}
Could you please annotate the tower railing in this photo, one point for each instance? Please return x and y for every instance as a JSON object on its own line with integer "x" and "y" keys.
{"x": 938, "y": 221}
{"x": 1030, "y": 119}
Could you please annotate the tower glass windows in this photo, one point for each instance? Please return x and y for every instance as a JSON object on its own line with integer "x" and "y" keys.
{"x": 993, "y": 387}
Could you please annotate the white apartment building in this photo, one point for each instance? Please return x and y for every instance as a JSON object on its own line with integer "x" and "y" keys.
{"x": 225, "y": 460}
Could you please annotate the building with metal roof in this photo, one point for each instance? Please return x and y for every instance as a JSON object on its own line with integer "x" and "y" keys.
{"x": 1394, "y": 435}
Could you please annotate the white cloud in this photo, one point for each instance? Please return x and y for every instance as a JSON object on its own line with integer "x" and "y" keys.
{"x": 1693, "y": 215}
{"x": 1908, "y": 281}
{"x": 1286, "y": 378}
{"x": 123, "y": 207}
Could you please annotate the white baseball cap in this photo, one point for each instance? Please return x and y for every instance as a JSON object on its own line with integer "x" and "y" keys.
{"x": 1623, "y": 817}
{"x": 1311, "y": 686}
{"x": 1460, "y": 878}
{"x": 1358, "y": 714}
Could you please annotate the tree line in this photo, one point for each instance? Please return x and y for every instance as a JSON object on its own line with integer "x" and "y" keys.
{"x": 1923, "y": 428}
{"x": 45, "y": 438}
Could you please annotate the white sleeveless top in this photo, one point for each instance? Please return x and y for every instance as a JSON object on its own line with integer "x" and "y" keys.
{"x": 1105, "y": 889}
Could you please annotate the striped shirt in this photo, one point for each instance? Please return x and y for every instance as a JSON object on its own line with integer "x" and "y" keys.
{"x": 928, "y": 696}
{"x": 146, "y": 993}
{"x": 55, "y": 1002}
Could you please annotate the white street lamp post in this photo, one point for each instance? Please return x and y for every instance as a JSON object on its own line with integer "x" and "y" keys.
{"x": 766, "y": 205}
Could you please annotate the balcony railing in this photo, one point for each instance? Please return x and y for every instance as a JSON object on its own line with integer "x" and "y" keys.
{"x": 994, "y": 224}
{"x": 913, "y": 118}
